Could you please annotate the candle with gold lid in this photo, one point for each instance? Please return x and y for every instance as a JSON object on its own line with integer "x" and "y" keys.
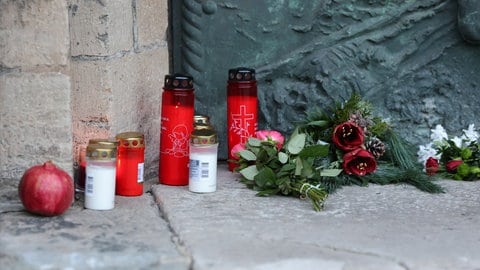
{"x": 203, "y": 161}
{"x": 130, "y": 163}
{"x": 100, "y": 176}
{"x": 201, "y": 119}
{"x": 176, "y": 125}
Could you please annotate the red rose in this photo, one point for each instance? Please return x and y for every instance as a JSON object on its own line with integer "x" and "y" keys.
{"x": 431, "y": 166}
{"x": 348, "y": 136}
{"x": 452, "y": 165}
{"x": 359, "y": 162}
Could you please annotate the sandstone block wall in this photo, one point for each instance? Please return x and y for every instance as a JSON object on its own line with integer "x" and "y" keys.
{"x": 75, "y": 70}
{"x": 119, "y": 57}
{"x": 35, "y": 113}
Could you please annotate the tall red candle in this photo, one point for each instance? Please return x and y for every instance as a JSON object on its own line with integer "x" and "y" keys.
{"x": 242, "y": 107}
{"x": 176, "y": 126}
{"x": 130, "y": 164}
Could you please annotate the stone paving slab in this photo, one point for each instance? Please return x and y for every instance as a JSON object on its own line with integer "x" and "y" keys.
{"x": 376, "y": 227}
{"x": 132, "y": 236}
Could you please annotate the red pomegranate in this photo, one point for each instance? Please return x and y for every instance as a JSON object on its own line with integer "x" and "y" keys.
{"x": 46, "y": 190}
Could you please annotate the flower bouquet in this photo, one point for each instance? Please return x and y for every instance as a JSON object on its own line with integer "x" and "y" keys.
{"x": 344, "y": 145}
{"x": 457, "y": 157}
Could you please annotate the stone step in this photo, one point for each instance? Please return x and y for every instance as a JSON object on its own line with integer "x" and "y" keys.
{"x": 376, "y": 227}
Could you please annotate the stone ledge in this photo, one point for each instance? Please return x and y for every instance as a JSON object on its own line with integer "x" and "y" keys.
{"x": 377, "y": 227}
{"x": 132, "y": 236}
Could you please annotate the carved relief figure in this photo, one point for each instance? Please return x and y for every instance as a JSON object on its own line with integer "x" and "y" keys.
{"x": 469, "y": 20}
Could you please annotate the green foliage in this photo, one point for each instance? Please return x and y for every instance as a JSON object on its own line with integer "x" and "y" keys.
{"x": 284, "y": 171}
{"x": 309, "y": 165}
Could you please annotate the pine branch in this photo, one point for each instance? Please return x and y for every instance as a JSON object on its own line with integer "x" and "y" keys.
{"x": 389, "y": 174}
{"x": 401, "y": 152}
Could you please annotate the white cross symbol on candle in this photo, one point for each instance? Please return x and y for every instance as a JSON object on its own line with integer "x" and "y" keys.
{"x": 240, "y": 123}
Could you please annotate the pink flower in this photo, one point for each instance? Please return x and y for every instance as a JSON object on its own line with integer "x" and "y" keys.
{"x": 236, "y": 149}
{"x": 271, "y": 136}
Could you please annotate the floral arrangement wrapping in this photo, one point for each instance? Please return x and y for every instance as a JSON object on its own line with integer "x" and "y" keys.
{"x": 344, "y": 145}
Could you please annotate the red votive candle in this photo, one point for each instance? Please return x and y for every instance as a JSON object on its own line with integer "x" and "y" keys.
{"x": 130, "y": 164}
{"x": 176, "y": 127}
{"x": 242, "y": 108}
{"x": 80, "y": 183}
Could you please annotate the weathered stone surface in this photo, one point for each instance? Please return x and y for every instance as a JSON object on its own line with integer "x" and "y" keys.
{"x": 393, "y": 227}
{"x": 100, "y": 28}
{"x": 35, "y": 110}
{"x": 33, "y": 33}
{"x": 469, "y": 20}
{"x": 132, "y": 236}
{"x": 137, "y": 82}
{"x": 151, "y": 22}
{"x": 117, "y": 95}
{"x": 36, "y": 122}
{"x": 374, "y": 227}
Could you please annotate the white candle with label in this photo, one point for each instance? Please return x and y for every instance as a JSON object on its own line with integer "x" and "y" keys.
{"x": 100, "y": 177}
{"x": 203, "y": 168}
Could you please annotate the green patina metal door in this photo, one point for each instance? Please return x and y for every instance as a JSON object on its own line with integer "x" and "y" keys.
{"x": 406, "y": 57}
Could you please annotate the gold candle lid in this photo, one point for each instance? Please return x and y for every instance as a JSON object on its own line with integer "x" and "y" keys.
{"x": 103, "y": 141}
{"x": 201, "y": 119}
{"x": 101, "y": 151}
{"x": 131, "y": 139}
{"x": 204, "y": 137}
{"x": 200, "y": 126}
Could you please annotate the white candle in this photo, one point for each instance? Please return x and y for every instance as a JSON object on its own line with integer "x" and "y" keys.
{"x": 203, "y": 168}
{"x": 100, "y": 185}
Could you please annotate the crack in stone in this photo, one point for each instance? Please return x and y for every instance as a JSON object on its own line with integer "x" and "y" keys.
{"x": 175, "y": 238}
{"x": 11, "y": 211}
{"x": 371, "y": 254}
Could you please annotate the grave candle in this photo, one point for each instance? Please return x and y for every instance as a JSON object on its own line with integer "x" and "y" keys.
{"x": 242, "y": 108}
{"x": 100, "y": 176}
{"x": 203, "y": 161}
{"x": 130, "y": 164}
{"x": 176, "y": 127}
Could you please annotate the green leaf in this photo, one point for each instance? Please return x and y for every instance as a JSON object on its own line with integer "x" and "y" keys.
{"x": 268, "y": 192}
{"x": 466, "y": 153}
{"x": 254, "y": 142}
{"x": 296, "y": 143}
{"x": 319, "y": 150}
{"x": 331, "y": 172}
{"x": 286, "y": 170}
{"x": 318, "y": 123}
{"x": 307, "y": 170}
{"x": 265, "y": 178}
{"x": 282, "y": 157}
{"x": 298, "y": 166}
{"x": 262, "y": 156}
{"x": 247, "y": 155}
{"x": 250, "y": 172}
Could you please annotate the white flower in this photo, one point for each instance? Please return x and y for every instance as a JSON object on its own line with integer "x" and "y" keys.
{"x": 427, "y": 151}
{"x": 470, "y": 135}
{"x": 438, "y": 134}
{"x": 457, "y": 141}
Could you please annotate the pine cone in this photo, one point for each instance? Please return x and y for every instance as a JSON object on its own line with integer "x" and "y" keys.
{"x": 376, "y": 147}
{"x": 358, "y": 119}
